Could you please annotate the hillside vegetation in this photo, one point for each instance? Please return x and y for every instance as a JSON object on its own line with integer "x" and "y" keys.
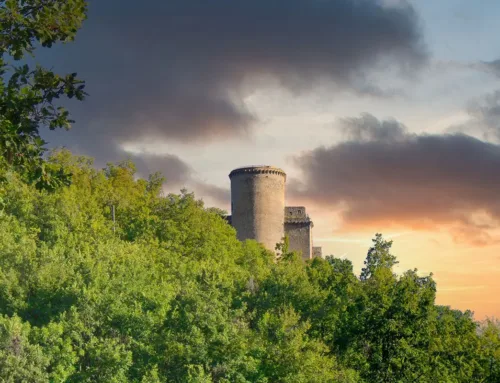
{"x": 105, "y": 279}
{"x": 166, "y": 293}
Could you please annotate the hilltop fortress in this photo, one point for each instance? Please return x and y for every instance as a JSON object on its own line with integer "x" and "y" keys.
{"x": 258, "y": 210}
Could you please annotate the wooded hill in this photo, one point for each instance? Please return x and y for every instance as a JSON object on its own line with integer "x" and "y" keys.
{"x": 166, "y": 293}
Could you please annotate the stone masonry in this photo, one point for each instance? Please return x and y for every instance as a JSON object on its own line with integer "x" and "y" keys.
{"x": 258, "y": 210}
{"x": 298, "y": 228}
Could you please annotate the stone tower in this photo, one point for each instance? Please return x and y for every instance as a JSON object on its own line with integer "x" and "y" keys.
{"x": 298, "y": 227}
{"x": 258, "y": 204}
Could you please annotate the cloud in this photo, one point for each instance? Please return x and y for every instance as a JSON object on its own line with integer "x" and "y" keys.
{"x": 178, "y": 175}
{"x": 176, "y": 172}
{"x": 485, "y": 115}
{"x": 484, "y": 111}
{"x": 369, "y": 128}
{"x": 383, "y": 176}
{"x": 489, "y": 67}
{"x": 484, "y": 118}
{"x": 492, "y": 66}
{"x": 221, "y": 196}
{"x": 180, "y": 70}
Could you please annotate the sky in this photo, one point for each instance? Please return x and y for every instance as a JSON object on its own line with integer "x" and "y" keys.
{"x": 385, "y": 115}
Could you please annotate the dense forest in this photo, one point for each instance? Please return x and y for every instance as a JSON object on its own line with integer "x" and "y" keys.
{"x": 104, "y": 278}
{"x": 166, "y": 293}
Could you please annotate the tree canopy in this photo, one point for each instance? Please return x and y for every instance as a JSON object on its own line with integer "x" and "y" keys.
{"x": 29, "y": 95}
{"x": 166, "y": 293}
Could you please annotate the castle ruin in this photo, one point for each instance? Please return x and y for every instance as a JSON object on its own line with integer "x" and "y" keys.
{"x": 258, "y": 211}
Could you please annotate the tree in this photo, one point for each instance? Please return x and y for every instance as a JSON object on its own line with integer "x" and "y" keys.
{"x": 28, "y": 96}
{"x": 390, "y": 334}
{"x": 454, "y": 353}
{"x": 378, "y": 258}
{"x": 489, "y": 335}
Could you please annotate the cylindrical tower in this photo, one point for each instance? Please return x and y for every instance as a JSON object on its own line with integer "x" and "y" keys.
{"x": 258, "y": 204}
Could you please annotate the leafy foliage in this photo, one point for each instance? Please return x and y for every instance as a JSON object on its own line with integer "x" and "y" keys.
{"x": 28, "y": 96}
{"x": 166, "y": 293}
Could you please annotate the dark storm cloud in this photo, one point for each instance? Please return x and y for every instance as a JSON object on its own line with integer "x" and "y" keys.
{"x": 175, "y": 171}
{"x": 383, "y": 175}
{"x": 179, "y": 70}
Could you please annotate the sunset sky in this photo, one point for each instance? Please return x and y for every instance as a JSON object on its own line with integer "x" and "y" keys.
{"x": 384, "y": 114}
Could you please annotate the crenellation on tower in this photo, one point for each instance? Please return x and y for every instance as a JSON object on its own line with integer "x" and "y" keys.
{"x": 258, "y": 169}
{"x": 295, "y": 213}
{"x": 258, "y": 210}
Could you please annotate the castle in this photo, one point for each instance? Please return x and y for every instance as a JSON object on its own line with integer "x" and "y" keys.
{"x": 258, "y": 211}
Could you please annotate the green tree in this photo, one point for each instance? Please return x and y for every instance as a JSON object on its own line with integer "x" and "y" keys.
{"x": 20, "y": 361}
{"x": 28, "y": 96}
{"x": 336, "y": 311}
{"x": 379, "y": 258}
{"x": 288, "y": 354}
{"x": 454, "y": 353}
{"x": 489, "y": 338}
{"x": 389, "y": 335}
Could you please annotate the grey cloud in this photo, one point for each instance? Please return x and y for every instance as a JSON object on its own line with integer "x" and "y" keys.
{"x": 369, "y": 128}
{"x": 485, "y": 115}
{"x": 492, "y": 66}
{"x": 220, "y": 195}
{"x": 180, "y": 69}
{"x": 176, "y": 172}
{"x": 484, "y": 118}
{"x": 179, "y": 175}
{"x": 417, "y": 181}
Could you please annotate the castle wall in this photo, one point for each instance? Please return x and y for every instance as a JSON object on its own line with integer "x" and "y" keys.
{"x": 299, "y": 235}
{"x": 317, "y": 251}
{"x": 298, "y": 228}
{"x": 258, "y": 203}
